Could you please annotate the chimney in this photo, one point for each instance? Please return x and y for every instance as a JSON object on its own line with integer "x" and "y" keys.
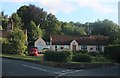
{"x": 10, "y": 25}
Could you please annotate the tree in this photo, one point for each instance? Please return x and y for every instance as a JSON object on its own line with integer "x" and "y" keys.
{"x": 17, "y": 20}
{"x": 71, "y": 29}
{"x": 66, "y": 28}
{"x": 105, "y": 27}
{"x": 52, "y": 26}
{"x": 4, "y": 20}
{"x": 31, "y": 13}
{"x": 117, "y": 41}
{"x": 34, "y": 33}
{"x": 17, "y": 41}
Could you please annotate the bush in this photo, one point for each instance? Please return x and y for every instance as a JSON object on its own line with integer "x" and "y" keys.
{"x": 63, "y": 56}
{"x": 5, "y": 45}
{"x": 113, "y": 52}
{"x": 80, "y": 57}
{"x": 100, "y": 59}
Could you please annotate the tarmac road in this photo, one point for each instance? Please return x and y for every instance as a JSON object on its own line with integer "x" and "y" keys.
{"x": 16, "y": 68}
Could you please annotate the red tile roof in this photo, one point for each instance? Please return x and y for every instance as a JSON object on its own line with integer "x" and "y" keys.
{"x": 82, "y": 40}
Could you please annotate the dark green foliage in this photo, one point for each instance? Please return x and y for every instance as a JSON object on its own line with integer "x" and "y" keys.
{"x": 80, "y": 57}
{"x": 100, "y": 59}
{"x": 17, "y": 42}
{"x": 17, "y": 21}
{"x": 113, "y": 52}
{"x": 82, "y": 51}
{"x": 105, "y": 27}
{"x": 33, "y": 32}
{"x": 5, "y": 45}
{"x": 31, "y": 13}
{"x": 71, "y": 29}
{"x": 63, "y": 56}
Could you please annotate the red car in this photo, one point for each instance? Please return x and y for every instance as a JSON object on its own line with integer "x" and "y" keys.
{"x": 33, "y": 51}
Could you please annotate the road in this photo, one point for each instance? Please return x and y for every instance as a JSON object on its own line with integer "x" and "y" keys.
{"x": 16, "y": 68}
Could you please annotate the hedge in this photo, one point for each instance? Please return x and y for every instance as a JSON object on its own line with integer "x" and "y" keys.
{"x": 80, "y": 57}
{"x": 113, "y": 52}
{"x": 61, "y": 56}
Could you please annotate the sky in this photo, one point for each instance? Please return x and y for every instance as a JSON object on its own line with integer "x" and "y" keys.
{"x": 69, "y": 10}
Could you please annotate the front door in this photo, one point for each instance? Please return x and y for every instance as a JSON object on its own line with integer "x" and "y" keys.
{"x": 74, "y": 47}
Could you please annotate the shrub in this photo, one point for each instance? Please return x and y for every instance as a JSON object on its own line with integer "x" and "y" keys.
{"x": 80, "y": 57}
{"x": 5, "y": 45}
{"x": 81, "y": 51}
{"x": 113, "y": 52}
{"x": 100, "y": 59}
{"x": 63, "y": 56}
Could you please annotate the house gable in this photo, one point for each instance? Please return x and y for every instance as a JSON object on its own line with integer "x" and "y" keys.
{"x": 74, "y": 45}
{"x": 40, "y": 44}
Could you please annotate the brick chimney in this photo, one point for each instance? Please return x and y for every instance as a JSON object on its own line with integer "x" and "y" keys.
{"x": 10, "y": 25}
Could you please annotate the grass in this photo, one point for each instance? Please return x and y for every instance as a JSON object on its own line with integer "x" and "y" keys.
{"x": 38, "y": 60}
{"x": 21, "y": 57}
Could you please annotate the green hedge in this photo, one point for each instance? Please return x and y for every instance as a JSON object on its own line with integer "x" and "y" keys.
{"x": 80, "y": 57}
{"x": 62, "y": 56}
{"x": 113, "y": 52}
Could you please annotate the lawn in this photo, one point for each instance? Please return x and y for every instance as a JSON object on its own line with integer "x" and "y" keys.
{"x": 38, "y": 60}
{"x": 21, "y": 57}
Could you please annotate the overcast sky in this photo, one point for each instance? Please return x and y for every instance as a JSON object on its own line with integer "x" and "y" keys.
{"x": 69, "y": 10}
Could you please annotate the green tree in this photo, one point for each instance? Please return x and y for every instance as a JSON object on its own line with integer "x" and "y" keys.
{"x": 105, "y": 27}
{"x": 17, "y": 41}
{"x": 31, "y": 13}
{"x": 71, "y": 29}
{"x": 4, "y": 20}
{"x": 66, "y": 28}
{"x": 34, "y": 32}
{"x": 117, "y": 40}
{"x": 17, "y": 20}
{"x": 52, "y": 26}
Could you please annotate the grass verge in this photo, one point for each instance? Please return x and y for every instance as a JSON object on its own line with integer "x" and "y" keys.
{"x": 71, "y": 65}
{"x": 24, "y": 58}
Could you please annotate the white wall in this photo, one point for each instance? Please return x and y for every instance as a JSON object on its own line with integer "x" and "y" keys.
{"x": 91, "y": 46}
{"x": 40, "y": 44}
{"x": 59, "y": 47}
{"x": 79, "y": 48}
{"x": 74, "y": 43}
{"x": 53, "y": 47}
{"x": 103, "y": 48}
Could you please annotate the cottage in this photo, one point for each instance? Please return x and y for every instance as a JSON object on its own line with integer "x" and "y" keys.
{"x": 90, "y": 43}
{"x": 40, "y": 44}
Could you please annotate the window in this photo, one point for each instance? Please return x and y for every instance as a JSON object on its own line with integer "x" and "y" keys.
{"x": 98, "y": 48}
{"x": 83, "y": 47}
{"x": 55, "y": 47}
{"x": 91, "y": 48}
{"x": 66, "y": 46}
{"x": 62, "y": 47}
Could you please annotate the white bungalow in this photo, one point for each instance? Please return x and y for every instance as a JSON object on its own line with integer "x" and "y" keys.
{"x": 75, "y": 43}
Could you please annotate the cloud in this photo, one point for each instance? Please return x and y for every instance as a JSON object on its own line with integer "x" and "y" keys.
{"x": 55, "y": 6}
{"x": 69, "y": 6}
{"x": 17, "y": 0}
{"x": 96, "y": 5}
{"x": 100, "y": 6}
